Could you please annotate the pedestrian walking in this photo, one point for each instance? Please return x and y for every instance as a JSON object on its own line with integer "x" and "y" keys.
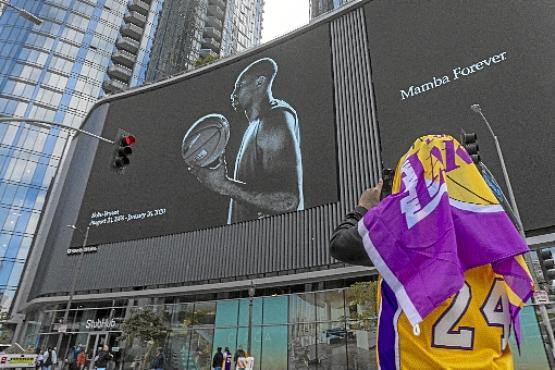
{"x": 158, "y": 362}
{"x": 81, "y": 359}
{"x": 250, "y": 361}
{"x": 101, "y": 360}
{"x": 239, "y": 353}
{"x": 54, "y": 354}
{"x": 218, "y": 359}
{"x": 241, "y": 362}
{"x": 227, "y": 359}
{"x": 40, "y": 359}
{"x": 47, "y": 363}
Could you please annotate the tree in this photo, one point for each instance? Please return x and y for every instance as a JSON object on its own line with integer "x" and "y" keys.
{"x": 210, "y": 58}
{"x": 361, "y": 299}
{"x": 147, "y": 326}
{"x": 6, "y": 334}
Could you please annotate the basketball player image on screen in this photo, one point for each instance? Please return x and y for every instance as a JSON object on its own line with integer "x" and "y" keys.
{"x": 268, "y": 174}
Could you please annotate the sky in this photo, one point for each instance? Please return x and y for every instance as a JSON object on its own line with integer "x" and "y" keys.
{"x": 282, "y": 16}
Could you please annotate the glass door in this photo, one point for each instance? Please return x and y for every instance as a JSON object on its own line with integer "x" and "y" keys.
{"x": 94, "y": 345}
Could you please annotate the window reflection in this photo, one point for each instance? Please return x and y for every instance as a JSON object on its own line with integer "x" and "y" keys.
{"x": 362, "y": 345}
{"x": 299, "y": 331}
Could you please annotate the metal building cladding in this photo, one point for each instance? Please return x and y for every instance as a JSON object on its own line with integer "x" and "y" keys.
{"x": 305, "y": 313}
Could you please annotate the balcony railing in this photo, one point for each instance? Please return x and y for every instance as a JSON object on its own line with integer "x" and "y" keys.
{"x": 135, "y": 18}
{"x": 206, "y": 52}
{"x": 139, "y": 6}
{"x": 212, "y": 32}
{"x": 219, "y": 3}
{"x": 124, "y": 58}
{"x": 120, "y": 72}
{"x": 129, "y": 44}
{"x": 133, "y": 31}
{"x": 114, "y": 86}
{"x": 215, "y": 11}
{"x": 210, "y": 43}
{"x": 214, "y": 22}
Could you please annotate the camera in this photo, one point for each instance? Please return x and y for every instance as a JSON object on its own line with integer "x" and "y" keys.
{"x": 387, "y": 176}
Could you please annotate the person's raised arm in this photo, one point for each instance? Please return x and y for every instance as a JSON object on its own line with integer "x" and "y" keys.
{"x": 346, "y": 243}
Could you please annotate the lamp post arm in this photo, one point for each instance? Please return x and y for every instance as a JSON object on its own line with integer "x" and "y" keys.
{"x": 48, "y": 124}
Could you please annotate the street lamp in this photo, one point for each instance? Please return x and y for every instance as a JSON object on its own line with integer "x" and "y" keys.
{"x": 476, "y": 108}
{"x": 24, "y": 13}
{"x": 543, "y": 311}
{"x": 76, "y": 269}
{"x": 251, "y": 291}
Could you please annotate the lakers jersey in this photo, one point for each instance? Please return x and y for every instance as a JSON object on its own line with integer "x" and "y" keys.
{"x": 467, "y": 331}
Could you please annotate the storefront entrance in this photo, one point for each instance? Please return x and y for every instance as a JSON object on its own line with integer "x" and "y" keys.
{"x": 97, "y": 340}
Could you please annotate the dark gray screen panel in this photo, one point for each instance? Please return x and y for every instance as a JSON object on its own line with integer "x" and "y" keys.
{"x": 157, "y": 195}
{"x": 414, "y": 44}
{"x": 292, "y": 242}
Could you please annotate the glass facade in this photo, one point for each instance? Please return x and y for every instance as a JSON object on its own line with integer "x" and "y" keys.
{"x": 52, "y": 72}
{"x": 56, "y": 71}
{"x": 319, "y": 7}
{"x": 189, "y": 30}
{"x": 242, "y": 26}
{"x": 331, "y": 329}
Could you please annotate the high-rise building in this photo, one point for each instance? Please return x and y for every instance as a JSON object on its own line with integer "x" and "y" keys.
{"x": 242, "y": 25}
{"x": 178, "y": 37}
{"x": 131, "y": 54}
{"x": 55, "y": 72}
{"x": 83, "y": 50}
{"x": 319, "y": 7}
{"x": 193, "y": 29}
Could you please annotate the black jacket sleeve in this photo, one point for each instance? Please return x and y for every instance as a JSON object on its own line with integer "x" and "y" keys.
{"x": 346, "y": 243}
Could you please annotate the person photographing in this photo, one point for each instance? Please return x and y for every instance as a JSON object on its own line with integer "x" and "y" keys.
{"x": 452, "y": 275}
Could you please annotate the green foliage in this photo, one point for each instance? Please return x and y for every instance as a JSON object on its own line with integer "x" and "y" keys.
{"x": 206, "y": 60}
{"x": 361, "y": 299}
{"x": 146, "y": 325}
{"x": 6, "y": 334}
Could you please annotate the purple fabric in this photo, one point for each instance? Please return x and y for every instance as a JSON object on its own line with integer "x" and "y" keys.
{"x": 386, "y": 330}
{"x": 422, "y": 241}
{"x": 485, "y": 238}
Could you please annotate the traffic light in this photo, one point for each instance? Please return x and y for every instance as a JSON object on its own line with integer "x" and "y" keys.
{"x": 470, "y": 143}
{"x": 123, "y": 149}
{"x": 548, "y": 265}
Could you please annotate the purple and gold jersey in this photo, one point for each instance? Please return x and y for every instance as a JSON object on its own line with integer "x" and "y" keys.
{"x": 451, "y": 261}
{"x": 467, "y": 331}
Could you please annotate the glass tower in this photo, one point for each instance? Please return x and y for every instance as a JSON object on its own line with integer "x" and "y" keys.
{"x": 54, "y": 72}
{"x": 190, "y": 30}
{"x": 319, "y": 7}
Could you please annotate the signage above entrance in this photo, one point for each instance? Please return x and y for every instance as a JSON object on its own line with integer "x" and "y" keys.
{"x": 102, "y": 324}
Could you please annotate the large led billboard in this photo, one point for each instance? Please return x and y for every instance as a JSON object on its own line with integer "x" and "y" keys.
{"x": 432, "y": 60}
{"x": 271, "y": 111}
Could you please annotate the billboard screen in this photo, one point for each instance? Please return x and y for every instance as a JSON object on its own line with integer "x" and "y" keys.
{"x": 432, "y": 61}
{"x": 272, "y": 113}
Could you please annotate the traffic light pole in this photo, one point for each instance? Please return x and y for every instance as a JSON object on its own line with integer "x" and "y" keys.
{"x": 76, "y": 269}
{"x": 49, "y": 124}
{"x": 543, "y": 311}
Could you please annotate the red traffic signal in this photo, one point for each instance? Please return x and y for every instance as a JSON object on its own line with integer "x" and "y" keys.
{"x": 128, "y": 140}
{"x": 122, "y": 150}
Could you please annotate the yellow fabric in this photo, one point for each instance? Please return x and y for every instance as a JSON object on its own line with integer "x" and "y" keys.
{"x": 417, "y": 352}
{"x": 465, "y": 174}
